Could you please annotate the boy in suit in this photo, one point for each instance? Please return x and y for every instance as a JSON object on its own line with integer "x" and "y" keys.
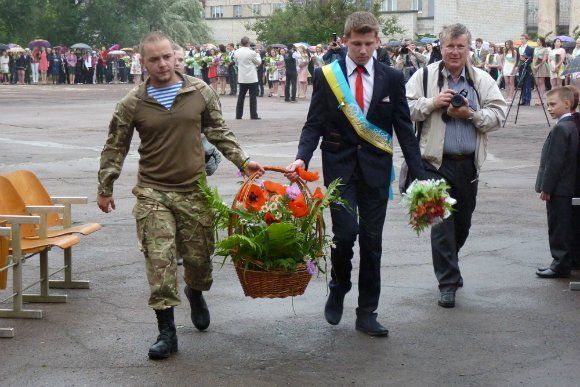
{"x": 371, "y": 97}
{"x": 557, "y": 179}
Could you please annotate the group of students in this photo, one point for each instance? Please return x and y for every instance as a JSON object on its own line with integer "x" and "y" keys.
{"x": 558, "y": 181}
{"x": 55, "y": 66}
{"x": 286, "y": 70}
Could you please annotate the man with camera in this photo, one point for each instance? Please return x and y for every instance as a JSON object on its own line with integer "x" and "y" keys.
{"x": 336, "y": 51}
{"x": 455, "y": 106}
{"x": 409, "y": 60}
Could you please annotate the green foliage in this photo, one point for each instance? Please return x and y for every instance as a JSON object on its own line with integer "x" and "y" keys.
{"x": 392, "y": 28}
{"x": 576, "y": 32}
{"x": 281, "y": 244}
{"x": 418, "y": 37}
{"x": 100, "y": 22}
{"x": 311, "y": 20}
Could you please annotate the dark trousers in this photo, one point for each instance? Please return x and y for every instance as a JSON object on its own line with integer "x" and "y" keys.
{"x": 291, "y": 79}
{"x": 576, "y": 236}
{"x": 527, "y": 88}
{"x": 253, "y": 88}
{"x": 233, "y": 80}
{"x": 261, "y": 81}
{"x": 449, "y": 236}
{"x": 371, "y": 203}
{"x": 560, "y": 234}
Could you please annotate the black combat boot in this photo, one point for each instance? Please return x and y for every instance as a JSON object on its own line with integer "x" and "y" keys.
{"x": 199, "y": 310}
{"x": 166, "y": 342}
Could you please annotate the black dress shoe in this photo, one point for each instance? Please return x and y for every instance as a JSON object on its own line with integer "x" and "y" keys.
{"x": 199, "y": 311}
{"x": 238, "y": 118}
{"x": 256, "y": 118}
{"x": 368, "y": 324}
{"x": 447, "y": 299}
{"x": 549, "y": 273}
{"x": 334, "y": 306}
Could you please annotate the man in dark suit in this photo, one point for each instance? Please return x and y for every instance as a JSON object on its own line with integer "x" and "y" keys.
{"x": 556, "y": 181}
{"x": 525, "y": 71}
{"x": 364, "y": 169}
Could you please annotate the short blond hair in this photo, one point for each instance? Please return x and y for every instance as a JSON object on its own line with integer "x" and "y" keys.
{"x": 565, "y": 93}
{"x": 153, "y": 37}
{"x": 361, "y": 22}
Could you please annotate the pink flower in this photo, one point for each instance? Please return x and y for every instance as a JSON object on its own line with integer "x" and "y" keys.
{"x": 293, "y": 191}
{"x": 311, "y": 267}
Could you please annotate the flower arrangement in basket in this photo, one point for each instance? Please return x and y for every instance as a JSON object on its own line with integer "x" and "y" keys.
{"x": 427, "y": 203}
{"x": 276, "y": 235}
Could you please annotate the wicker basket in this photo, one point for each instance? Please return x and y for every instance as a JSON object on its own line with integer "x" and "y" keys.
{"x": 273, "y": 283}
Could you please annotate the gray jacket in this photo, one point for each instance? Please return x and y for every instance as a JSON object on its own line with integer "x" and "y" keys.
{"x": 557, "y": 172}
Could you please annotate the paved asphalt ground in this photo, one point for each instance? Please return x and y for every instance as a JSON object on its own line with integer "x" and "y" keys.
{"x": 509, "y": 327}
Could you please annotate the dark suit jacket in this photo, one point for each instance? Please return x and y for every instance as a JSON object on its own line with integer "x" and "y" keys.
{"x": 577, "y": 122}
{"x": 557, "y": 172}
{"x": 342, "y": 148}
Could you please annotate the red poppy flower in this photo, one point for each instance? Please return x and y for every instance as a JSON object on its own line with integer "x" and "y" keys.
{"x": 269, "y": 219}
{"x": 253, "y": 197}
{"x": 299, "y": 207}
{"x": 307, "y": 176}
{"x": 318, "y": 195}
{"x": 275, "y": 188}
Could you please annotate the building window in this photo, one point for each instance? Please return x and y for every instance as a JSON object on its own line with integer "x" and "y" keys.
{"x": 257, "y": 9}
{"x": 389, "y": 5}
{"x": 237, "y": 11}
{"x": 216, "y": 12}
{"x": 277, "y": 6}
{"x": 431, "y": 8}
{"x": 417, "y": 5}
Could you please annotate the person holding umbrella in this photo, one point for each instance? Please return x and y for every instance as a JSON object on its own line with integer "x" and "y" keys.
{"x": 34, "y": 64}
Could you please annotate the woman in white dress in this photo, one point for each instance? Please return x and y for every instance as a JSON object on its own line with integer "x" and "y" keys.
{"x": 136, "y": 68}
{"x": 557, "y": 57}
{"x": 509, "y": 68}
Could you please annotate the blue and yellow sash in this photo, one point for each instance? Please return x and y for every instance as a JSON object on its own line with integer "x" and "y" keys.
{"x": 371, "y": 133}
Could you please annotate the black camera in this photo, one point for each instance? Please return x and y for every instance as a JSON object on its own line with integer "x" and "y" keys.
{"x": 457, "y": 99}
{"x": 404, "y": 50}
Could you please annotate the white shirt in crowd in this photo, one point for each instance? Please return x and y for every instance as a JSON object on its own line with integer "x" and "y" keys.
{"x": 368, "y": 78}
{"x": 247, "y": 60}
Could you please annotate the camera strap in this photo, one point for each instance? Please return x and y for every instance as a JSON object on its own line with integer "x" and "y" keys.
{"x": 419, "y": 125}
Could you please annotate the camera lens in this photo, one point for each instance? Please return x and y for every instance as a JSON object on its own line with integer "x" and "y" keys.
{"x": 457, "y": 101}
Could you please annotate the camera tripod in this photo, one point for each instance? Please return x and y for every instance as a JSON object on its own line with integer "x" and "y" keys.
{"x": 524, "y": 73}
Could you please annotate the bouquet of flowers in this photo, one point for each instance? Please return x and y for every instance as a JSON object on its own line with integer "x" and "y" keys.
{"x": 225, "y": 59}
{"x": 190, "y": 61}
{"x": 427, "y": 203}
{"x": 271, "y": 64}
{"x": 273, "y": 226}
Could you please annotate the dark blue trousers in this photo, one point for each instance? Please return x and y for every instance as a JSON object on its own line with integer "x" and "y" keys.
{"x": 365, "y": 220}
{"x": 527, "y": 88}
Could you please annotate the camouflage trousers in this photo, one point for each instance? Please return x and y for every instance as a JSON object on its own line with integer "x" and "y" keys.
{"x": 171, "y": 223}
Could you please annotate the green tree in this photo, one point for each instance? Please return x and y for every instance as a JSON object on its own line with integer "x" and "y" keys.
{"x": 310, "y": 20}
{"x": 100, "y": 22}
{"x": 392, "y": 28}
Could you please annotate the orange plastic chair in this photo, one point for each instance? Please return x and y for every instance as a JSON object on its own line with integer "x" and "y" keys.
{"x": 33, "y": 193}
{"x": 26, "y": 240}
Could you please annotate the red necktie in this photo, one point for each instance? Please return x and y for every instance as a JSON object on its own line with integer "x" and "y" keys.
{"x": 360, "y": 95}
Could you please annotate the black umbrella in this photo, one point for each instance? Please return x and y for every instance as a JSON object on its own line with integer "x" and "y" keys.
{"x": 4, "y": 46}
{"x": 278, "y": 45}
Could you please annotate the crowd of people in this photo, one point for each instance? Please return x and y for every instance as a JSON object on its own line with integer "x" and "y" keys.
{"x": 45, "y": 65}
{"x": 287, "y": 70}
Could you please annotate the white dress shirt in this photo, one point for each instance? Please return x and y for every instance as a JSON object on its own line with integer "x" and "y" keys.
{"x": 368, "y": 78}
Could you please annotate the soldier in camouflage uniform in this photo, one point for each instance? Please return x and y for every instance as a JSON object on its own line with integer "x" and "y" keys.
{"x": 169, "y": 111}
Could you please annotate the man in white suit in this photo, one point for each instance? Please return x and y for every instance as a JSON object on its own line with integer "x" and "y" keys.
{"x": 247, "y": 60}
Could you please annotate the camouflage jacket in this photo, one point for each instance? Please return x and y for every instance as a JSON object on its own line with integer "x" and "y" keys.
{"x": 171, "y": 155}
